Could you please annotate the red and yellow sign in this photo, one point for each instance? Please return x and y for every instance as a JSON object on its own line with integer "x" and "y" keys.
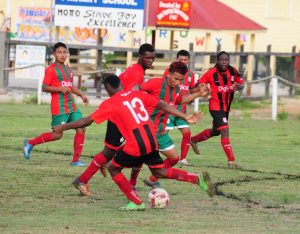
{"x": 175, "y": 14}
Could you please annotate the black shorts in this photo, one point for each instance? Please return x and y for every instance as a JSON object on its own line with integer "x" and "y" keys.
{"x": 152, "y": 160}
{"x": 220, "y": 119}
{"x": 113, "y": 137}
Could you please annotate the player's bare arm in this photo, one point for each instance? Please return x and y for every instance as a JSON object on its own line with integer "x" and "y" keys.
{"x": 238, "y": 87}
{"x": 171, "y": 110}
{"x": 80, "y": 94}
{"x": 201, "y": 91}
{"x": 52, "y": 89}
{"x": 84, "y": 122}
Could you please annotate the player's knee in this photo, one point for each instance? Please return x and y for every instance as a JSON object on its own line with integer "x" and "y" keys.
{"x": 57, "y": 136}
{"x": 108, "y": 153}
{"x": 80, "y": 130}
{"x": 112, "y": 169}
{"x": 160, "y": 172}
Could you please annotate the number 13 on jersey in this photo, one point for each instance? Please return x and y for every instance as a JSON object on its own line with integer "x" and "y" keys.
{"x": 137, "y": 110}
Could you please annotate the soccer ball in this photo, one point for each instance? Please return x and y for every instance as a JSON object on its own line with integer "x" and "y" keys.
{"x": 158, "y": 198}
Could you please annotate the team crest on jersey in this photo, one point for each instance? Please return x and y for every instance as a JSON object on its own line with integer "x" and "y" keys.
{"x": 66, "y": 84}
{"x": 189, "y": 79}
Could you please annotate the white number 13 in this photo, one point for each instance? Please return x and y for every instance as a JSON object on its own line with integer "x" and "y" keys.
{"x": 143, "y": 115}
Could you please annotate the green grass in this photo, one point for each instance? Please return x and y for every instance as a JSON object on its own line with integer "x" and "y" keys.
{"x": 36, "y": 195}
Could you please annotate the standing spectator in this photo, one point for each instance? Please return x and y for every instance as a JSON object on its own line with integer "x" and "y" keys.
{"x": 58, "y": 81}
{"x": 224, "y": 80}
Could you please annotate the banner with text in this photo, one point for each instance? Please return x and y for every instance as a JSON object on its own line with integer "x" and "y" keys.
{"x": 175, "y": 14}
{"x": 122, "y": 14}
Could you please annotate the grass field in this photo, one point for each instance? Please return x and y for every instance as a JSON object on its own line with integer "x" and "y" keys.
{"x": 36, "y": 195}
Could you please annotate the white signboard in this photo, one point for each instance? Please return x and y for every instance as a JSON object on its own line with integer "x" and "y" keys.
{"x": 122, "y": 14}
{"x": 28, "y": 55}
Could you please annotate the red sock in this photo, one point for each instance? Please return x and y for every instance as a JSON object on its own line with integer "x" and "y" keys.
{"x": 227, "y": 149}
{"x": 98, "y": 161}
{"x": 168, "y": 164}
{"x": 126, "y": 188}
{"x": 202, "y": 136}
{"x": 134, "y": 175}
{"x": 177, "y": 174}
{"x": 45, "y": 137}
{"x": 185, "y": 144}
{"x": 78, "y": 146}
{"x": 153, "y": 178}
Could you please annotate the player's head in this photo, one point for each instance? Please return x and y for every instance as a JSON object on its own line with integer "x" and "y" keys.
{"x": 146, "y": 55}
{"x": 223, "y": 60}
{"x": 60, "y": 52}
{"x": 177, "y": 71}
{"x": 183, "y": 56}
{"x": 112, "y": 84}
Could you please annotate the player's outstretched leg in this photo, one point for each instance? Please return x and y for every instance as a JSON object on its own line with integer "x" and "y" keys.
{"x": 131, "y": 206}
{"x": 203, "y": 179}
{"x": 206, "y": 184}
{"x": 27, "y": 149}
{"x": 45, "y": 137}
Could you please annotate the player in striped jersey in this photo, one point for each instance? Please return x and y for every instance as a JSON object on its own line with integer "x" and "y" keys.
{"x": 58, "y": 81}
{"x": 224, "y": 80}
{"x": 132, "y": 76}
{"x": 175, "y": 122}
{"x": 127, "y": 109}
{"x": 168, "y": 90}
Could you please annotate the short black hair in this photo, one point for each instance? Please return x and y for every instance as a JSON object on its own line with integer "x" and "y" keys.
{"x": 112, "y": 80}
{"x": 146, "y": 48}
{"x": 59, "y": 44}
{"x": 183, "y": 53}
{"x": 178, "y": 67}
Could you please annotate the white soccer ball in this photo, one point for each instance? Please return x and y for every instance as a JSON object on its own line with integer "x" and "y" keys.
{"x": 158, "y": 198}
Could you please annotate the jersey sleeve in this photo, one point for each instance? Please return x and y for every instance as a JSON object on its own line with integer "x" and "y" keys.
{"x": 48, "y": 77}
{"x": 149, "y": 100}
{"x": 166, "y": 72}
{"x": 103, "y": 113}
{"x": 131, "y": 78}
{"x": 149, "y": 85}
{"x": 192, "y": 83}
{"x": 204, "y": 78}
{"x": 238, "y": 79}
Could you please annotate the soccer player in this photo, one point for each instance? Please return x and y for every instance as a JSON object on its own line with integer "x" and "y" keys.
{"x": 135, "y": 73}
{"x": 224, "y": 80}
{"x": 128, "y": 111}
{"x": 176, "y": 122}
{"x": 168, "y": 90}
{"x": 58, "y": 81}
{"x": 132, "y": 76}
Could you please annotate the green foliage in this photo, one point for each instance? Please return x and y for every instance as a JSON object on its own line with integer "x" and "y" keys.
{"x": 282, "y": 116}
{"x": 30, "y": 99}
{"x": 37, "y": 195}
{"x": 245, "y": 104}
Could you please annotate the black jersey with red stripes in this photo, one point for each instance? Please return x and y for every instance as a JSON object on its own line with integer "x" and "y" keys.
{"x": 221, "y": 86}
